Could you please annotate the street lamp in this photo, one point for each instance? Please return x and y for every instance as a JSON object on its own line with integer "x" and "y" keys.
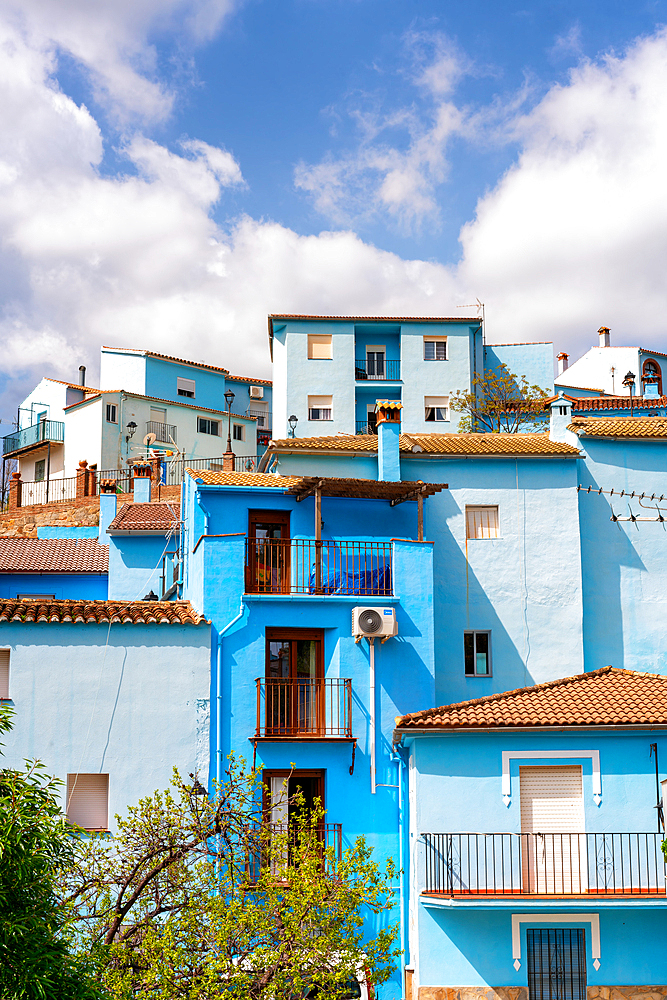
{"x": 229, "y": 399}
{"x": 292, "y": 421}
{"x": 629, "y": 380}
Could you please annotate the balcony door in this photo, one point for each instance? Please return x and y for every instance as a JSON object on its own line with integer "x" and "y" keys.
{"x": 375, "y": 361}
{"x": 269, "y": 561}
{"x": 294, "y": 692}
{"x": 553, "y": 860}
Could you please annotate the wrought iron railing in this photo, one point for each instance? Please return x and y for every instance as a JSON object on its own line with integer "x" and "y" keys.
{"x": 304, "y": 566}
{"x": 304, "y": 706}
{"x": 48, "y": 491}
{"x": 384, "y": 371}
{"x": 366, "y": 427}
{"x": 44, "y": 430}
{"x": 273, "y": 845}
{"x": 165, "y": 433}
{"x": 544, "y": 864}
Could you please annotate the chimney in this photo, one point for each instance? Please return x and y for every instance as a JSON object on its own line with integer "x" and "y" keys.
{"x": 142, "y": 483}
{"x": 107, "y": 508}
{"x": 561, "y": 417}
{"x": 82, "y": 374}
{"x": 563, "y": 359}
{"x": 388, "y": 423}
{"x": 603, "y": 334}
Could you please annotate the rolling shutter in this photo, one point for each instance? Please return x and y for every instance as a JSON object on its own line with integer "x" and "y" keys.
{"x": 4, "y": 673}
{"x": 88, "y": 800}
{"x": 552, "y": 799}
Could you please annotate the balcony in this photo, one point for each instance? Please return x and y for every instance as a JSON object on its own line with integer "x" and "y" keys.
{"x": 305, "y": 566}
{"x": 271, "y": 845}
{"x": 379, "y": 371}
{"x": 46, "y": 431}
{"x": 366, "y": 427}
{"x": 543, "y": 865}
{"x": 164, "y": 433}
{"x": 305, "y": 708}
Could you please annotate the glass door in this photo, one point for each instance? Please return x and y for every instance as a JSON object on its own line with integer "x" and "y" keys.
{"x": 294, "y": 698}
{"x": 269, "y": 558}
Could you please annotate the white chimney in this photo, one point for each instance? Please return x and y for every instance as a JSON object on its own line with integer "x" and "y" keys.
{"x": 603, "y": 334}
{"x": 563, "y": 360}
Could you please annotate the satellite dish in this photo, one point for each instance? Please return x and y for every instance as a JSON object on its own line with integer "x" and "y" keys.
{"x": 149, "y": 439}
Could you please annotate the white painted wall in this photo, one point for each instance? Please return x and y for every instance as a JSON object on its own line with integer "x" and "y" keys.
{"x": 82, "y": 435}
{"x": 123, "y": 369}
{"x": 593, "y": 370}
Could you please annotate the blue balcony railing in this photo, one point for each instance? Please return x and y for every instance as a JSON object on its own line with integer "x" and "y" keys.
{"x": 45, "y": 430}
{"x": 377, "y": 370}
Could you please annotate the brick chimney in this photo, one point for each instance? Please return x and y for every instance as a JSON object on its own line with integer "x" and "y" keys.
{"x": 563, "y": 362}
{"x": 603, "y": 334}
{"x": 388, "y": 422}
{"x": 108, "y": 504}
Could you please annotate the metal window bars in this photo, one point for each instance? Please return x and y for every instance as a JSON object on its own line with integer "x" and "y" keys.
{"x": 304, "y": 706}
{"x": 306, "y": 566}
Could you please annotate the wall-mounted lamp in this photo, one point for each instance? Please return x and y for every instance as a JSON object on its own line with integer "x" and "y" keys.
{"x": 292, "y": 421}
{"x": 197, "y": 787}
{"x": 131, "y": 428}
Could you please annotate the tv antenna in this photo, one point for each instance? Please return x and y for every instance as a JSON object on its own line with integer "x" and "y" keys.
{"x": 479, "y": 306}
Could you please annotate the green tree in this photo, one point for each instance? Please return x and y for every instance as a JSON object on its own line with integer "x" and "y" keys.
{"x": 35, "y": 844}
{"x": 500, "y": 403}
{"x": 204, "y": 898}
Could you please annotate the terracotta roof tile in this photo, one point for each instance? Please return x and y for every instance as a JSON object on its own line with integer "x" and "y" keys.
{"x": 243, "y": 479}
{"x": 605, "y": 697}
{"x": 146, "y": 517}
{"x": 624, "y": 427}
{"x": 100, "y": 612}
{"x": 435, "y": 444}
{"x": 53, "y": 555}
{"x": 610, "y": 402}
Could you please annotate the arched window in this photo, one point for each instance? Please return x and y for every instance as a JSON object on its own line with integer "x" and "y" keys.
{"x": 652, "y": 374}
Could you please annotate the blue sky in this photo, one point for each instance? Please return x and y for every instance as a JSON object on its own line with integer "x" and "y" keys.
{"x": 173, "y": 170}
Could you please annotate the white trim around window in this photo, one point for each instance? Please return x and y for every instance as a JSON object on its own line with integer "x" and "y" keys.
{"x": 592, "y": 755}
{"x": 565, "y": 920}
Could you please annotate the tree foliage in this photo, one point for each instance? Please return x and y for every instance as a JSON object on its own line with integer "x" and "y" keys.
{"x": 500, "y": 403}
{"x": 35, "y": 844}
{"x": 198, "y": 898}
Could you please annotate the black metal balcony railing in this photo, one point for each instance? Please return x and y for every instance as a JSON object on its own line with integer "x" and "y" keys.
{"x": 304, "y": 566}
{"x": 544, "y": 864}
{"x": 382, "y": 371}
{"x": 45, "y": 430}
{"x": 164, "y": 433}
{"x": 366, "y": 427}
{"x": 317, "y": 707}
{"x": 272, "y": 847}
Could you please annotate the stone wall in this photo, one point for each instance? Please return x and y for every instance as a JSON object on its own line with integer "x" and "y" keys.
{"x": 84, "y": 512}
{"x": 521, "y": 993}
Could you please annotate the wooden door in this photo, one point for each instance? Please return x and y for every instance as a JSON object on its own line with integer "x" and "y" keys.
{"x": 553, "y": 841}
{"x": 269, "y": 557}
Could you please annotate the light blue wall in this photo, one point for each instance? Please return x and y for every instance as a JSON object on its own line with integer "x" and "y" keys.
{"x": 71, "y": 586}
{"x": 161, "y": 379}
{"x": 64, "y": 531}
{"x": 135, "y": 564}
{"x": 131, "y": 701}
{"x": 458, "y": 789}
{"x": 535, "y": 361}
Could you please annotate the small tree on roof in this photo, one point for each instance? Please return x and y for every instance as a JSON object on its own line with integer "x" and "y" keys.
{"x": 500, "y": 403}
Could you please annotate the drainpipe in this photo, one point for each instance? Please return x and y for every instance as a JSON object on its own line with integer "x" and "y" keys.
{"x": 401, "y": 864}
{"x": 206, "y": 512}
{"x": 371, "y": 738}
{"x": 218, "y": 735}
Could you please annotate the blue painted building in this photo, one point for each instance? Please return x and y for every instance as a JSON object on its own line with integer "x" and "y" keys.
{"x": 535, "y": 861}
{"x": 53, "y": 568}
{"x": 329, "y": 371}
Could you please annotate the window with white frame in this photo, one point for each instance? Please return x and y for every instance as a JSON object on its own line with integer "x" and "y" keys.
{"x": 185, "y": 387}
{"x": 88, "y": 800}
{"x": 206, "y": 426}
{"x": 4, "y": 674}
{"x": 320, "y": 407}
{"x": 436, "y": 408}
{"x": 477, "y": 654}
{"x": 320, "y": 346}
{"x": 435, "y": 348}
{"x": 35, "y": 597}
{"x": 482, "y": 522}
{"x": 112, "y": 413}
{"x": 238, "y": 432}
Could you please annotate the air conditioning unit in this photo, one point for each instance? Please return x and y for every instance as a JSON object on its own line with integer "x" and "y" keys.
{"x": 374, "y": 622}
{"x": 257, "y": 392}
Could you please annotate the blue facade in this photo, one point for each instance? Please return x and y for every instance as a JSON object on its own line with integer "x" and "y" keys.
{"x": 62, "y": 586}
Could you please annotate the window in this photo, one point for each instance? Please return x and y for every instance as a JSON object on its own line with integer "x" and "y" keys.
{"x": 238, "y": 432}
{"x": 436, "y": 408}
{"x": 556, "y": 963}
{"x": 375, "y": 361}
{"x": 185, "y": 387}
{"x": 112, "y": 417}
{"x": 88, "y": 800}
{"x": 320, "y": 407}
{"x": 206, "y": 426}
{"x": 293, "y": 673}
{"x": 35, "y": 597}
{"x": 269, "y": 562}
{"x": 4, "y": 674}
{"x": 435, "y": 348}
{"x": 477, "y": 654}
{"x": 158, "y": 415}
{"x": 320, "y": 347}
{"x": 309, "y": 783}
{"x": 482, "y": 522}
{"x": 40, "y": 470}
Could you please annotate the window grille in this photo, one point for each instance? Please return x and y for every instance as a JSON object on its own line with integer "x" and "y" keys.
{"x": 556, "y": 963}
{"x": 482, "y": 522}
{"x": 88, "y": 800}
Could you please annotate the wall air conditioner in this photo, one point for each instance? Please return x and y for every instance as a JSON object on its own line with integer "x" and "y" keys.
{"x": 372, "y": 622}
{"x": 256, "y": 392}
